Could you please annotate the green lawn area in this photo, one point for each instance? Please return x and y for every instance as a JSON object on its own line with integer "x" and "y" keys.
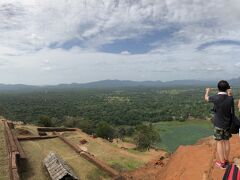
{"x": 174, "y": 133}
{"x": 36, "y": 151}
{"x": 4, "y": 173}
{"x": 32, "y": 129}
{"x": 118, "y": 159}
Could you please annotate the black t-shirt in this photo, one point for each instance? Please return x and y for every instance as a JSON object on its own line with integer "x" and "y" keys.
{"x": 223, "y": 105}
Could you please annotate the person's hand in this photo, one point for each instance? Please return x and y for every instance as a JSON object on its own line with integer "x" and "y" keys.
{"x": 208, "y": 90}
{"x": 230, "y": 92}
{"x": 206, "y": 94}
{"x": 239, "y": 104}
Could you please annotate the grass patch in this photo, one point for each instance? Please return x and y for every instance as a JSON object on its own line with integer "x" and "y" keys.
{"x": 32, "y": 129}
{"x": 174, "y": 133}
{"x": 37, "y": 150}
{"x": 111, "y": 154}
{"x": 95, "y": 174}
{"x": 122, "y": 164}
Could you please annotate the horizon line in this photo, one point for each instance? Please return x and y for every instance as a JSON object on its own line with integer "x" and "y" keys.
{"x": 82, "y": 83}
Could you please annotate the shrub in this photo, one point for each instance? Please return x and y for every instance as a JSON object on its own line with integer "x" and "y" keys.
{"x": 145, "y": 136}
{"x": 105, "y": 130}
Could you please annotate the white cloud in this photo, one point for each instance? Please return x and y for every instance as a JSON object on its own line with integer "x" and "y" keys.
{"x": 237, "y": 64}
{"x": 28, "y": 27}
{"x": 36, "y": 24}
{"x": 125, "y": 53}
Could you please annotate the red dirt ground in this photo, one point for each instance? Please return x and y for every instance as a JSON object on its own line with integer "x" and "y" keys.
{"x": 195, "y": 162}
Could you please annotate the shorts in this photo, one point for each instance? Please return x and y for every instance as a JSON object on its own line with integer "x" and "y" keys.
{"x": 222, "y": 134}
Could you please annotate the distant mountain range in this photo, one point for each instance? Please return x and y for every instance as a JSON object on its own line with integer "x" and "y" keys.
{"x": 126, "y": 83}
{"x": 115, "y": 84}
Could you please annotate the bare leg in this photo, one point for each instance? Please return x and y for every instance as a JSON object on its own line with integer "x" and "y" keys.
{"x": 227, "y": 150}
{"x": 224, "y": 150}
{"x": 220, "y": 150}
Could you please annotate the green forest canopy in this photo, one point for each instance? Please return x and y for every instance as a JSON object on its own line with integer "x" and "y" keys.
{"x": 126, "y": 106}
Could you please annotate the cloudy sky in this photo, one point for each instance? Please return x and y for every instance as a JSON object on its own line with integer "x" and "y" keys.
{"x": 65, "y": 41}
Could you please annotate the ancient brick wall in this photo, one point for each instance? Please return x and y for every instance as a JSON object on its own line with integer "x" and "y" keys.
{"x": 15, "y": 151}
{"x": 32, "y": 138}
{"x": 52, "y": 129}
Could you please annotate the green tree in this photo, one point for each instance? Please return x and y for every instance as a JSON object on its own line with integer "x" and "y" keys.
{"x": 105, "y": 130}
{"x": 121, "y": 133}
{"x": 71, "y": 122}
{"x": 45, "y": 121}
{"x": 145, "y": 136}
{"x": 130, "y": 131}
{"x": 87, "y": 126}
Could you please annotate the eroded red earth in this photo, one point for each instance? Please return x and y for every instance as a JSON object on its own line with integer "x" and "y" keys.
{"x": 194, "y": 162}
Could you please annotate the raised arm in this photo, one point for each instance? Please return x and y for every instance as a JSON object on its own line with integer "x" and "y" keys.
{"x": 239, "y": 104}
{"x": 206, "y": 97}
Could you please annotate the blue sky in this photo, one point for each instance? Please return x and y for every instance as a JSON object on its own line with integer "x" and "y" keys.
{"x": 142, "y": 44}
{"x": 65, "y": 41}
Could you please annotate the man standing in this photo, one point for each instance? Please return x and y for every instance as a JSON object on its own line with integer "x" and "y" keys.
{"x": 223, "y": 113}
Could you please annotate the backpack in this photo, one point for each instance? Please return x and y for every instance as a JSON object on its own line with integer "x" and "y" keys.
{"x": 235, "y": 123}
{"x": 232, "y": 173}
